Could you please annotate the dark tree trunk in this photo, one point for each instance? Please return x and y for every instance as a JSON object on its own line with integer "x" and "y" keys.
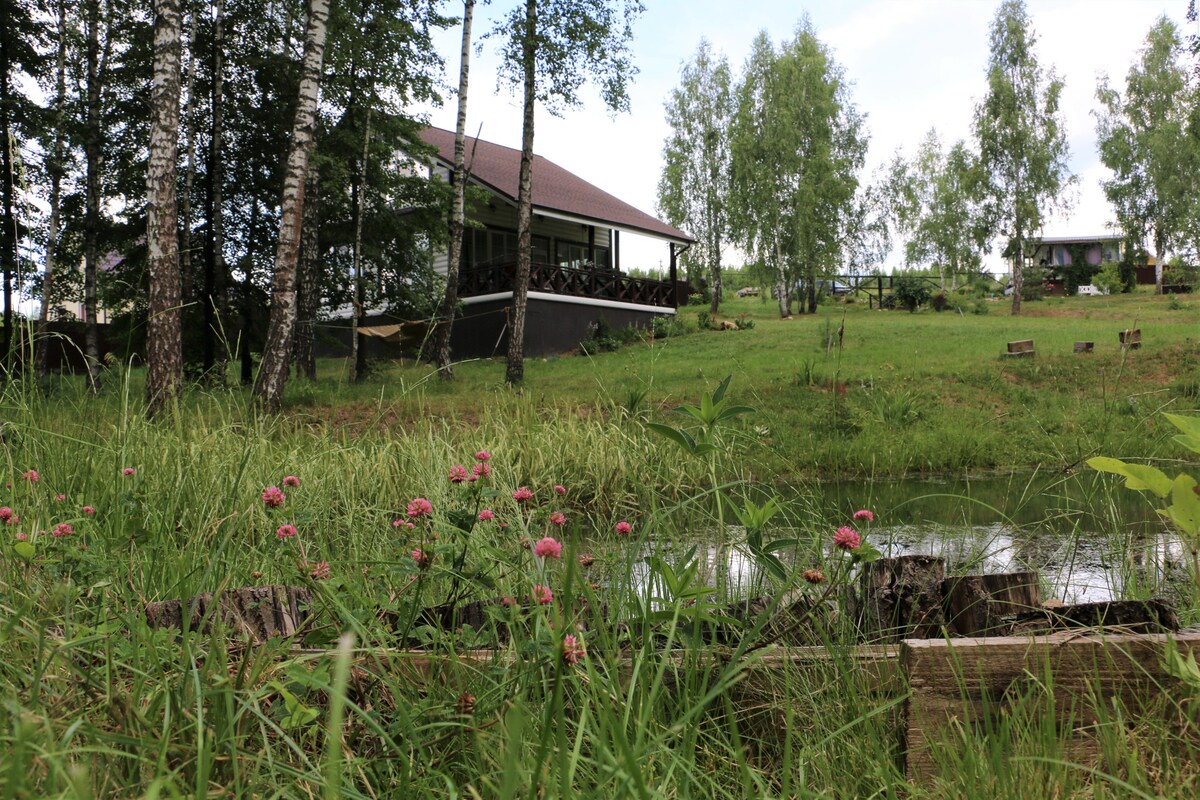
{"x": 458, "y": 210}
{"x": 515, "y": 371}
{"x": 215, "y": 280}
{"x": 54, "y": 168}
{"x": 91, "y": 219}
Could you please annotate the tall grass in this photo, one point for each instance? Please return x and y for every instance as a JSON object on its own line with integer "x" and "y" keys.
{"x": 94, "y": 703}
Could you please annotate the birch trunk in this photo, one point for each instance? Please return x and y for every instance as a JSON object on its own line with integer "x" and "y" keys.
{"x": 187, "y": 281}
{"x": 458, "y": 209}
{"x": 781, "y": 287}
{"x": 357, "y": 360}
{"x": 164, "y": 350}
{"x": 215, "y": 276}
{"x": 273, "y": 374}
{"x": 308, "y": 296}
{"x": 54, "y": 169}
{"x": 515, "y": 372}
{"x": 8, "y": 236}
{"x": 91, "y": 219}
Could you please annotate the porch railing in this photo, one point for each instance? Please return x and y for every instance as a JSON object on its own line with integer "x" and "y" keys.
{"x": 569, "y": 281}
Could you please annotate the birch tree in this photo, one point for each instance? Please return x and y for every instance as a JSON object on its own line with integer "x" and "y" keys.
{"x": 55, "y": 170}
{"x": 551, "y": 48}
{"x": 164, "y": 353}
{"x": 1143, "y": 139}
{"x": 276, "y": 360}
{"x": 1022, "y": 136}
{"x": 458, "y": 214}
{"x": 693, "y": 191}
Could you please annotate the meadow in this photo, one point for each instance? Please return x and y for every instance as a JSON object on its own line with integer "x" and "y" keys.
{"x": 113, "y": 512}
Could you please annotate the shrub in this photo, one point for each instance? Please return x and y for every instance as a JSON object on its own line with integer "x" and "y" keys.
{"x": 911, "y": 291}
{"x": 939, "y": 302}
{"x": 1109, "y": 279}
{"x": 667, "y": 325}
{"x": 743, "y": 322}
{"x": 1035, "y": 285}
{"x": 704, "y": 319}
{"x": 980, "y": 308}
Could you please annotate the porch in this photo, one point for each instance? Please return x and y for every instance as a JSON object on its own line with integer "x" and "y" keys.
{"x": 596, "y": 284}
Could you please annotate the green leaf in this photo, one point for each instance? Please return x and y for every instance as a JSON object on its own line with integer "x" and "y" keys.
{"x": 781, "y": 544}
{"x": 735, "y": 411}
{"x": 1138, "y": 477}
{"x": 25, "y": 550}
{"x": 298, "y": 715}
{"x": 677, "y": 436}
{"x": 719, "y": 393}
{"x": 694, "y": 412}
{"x": 1184, "y": 510}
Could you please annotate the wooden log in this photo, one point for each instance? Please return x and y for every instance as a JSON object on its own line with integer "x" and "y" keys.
{"x": 967, "y": 681}
{"x": 261, "y": 612}
{"x": 1144, "y": 616}
{"x": 976, "y": 605}
{"x": 901, "y": 598}
{"x": 1130, "y": 338}
{"x": 1085, "y": 347}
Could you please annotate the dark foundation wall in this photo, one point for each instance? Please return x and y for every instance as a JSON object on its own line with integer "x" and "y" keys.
{"x": 550, "y": 327}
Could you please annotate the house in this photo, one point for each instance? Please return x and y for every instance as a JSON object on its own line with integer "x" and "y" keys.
{"x": 576, "y": 277}
{"x": 1053, "y": 253}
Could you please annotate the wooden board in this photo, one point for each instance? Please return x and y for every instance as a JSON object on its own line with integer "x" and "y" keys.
{"x": 1130, "y": 338}
{"x": 1085, "y": 347}
{"x": 962, "y": 679}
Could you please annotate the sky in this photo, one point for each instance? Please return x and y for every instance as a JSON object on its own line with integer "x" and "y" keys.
{"x": 913, "y": 65}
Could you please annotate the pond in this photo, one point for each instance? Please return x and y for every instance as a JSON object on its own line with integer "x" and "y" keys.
{"x": 1091, "y": 539}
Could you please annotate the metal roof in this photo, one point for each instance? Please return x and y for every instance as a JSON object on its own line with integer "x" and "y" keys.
{"x": 555, "y": 190}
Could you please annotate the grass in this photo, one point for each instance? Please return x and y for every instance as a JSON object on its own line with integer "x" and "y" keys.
{"x": 95, "y": 703}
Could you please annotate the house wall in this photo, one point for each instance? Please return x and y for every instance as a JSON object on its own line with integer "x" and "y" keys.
{"x": 551, "y": 327}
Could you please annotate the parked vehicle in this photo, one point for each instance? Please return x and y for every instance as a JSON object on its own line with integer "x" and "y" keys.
{"x": 1091, "y": 290}
{"x": 748, "y": 291}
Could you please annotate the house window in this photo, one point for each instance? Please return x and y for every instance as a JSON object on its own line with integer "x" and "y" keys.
{"x": 575, "y": 254}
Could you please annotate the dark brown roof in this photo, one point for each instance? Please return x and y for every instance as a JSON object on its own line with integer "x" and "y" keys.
{"x": 554, "y": 189}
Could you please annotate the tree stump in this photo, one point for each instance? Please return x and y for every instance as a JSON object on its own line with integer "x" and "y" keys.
{"x": 978, "y": 605}
{"x": 1145, "y": 616}
{"x": 261, "y": 612}
{"x": 901, "y": 598}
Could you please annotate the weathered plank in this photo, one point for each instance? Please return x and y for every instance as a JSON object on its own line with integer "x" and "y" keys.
{"x": 1085, "y": 347}
{"x": 1130, "y": 338}
{"x": 1022, "y": 348}
{"x": 1131, "y": 616}
{"x": 962, "y": 680}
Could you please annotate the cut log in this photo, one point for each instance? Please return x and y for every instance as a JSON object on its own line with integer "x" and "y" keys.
{"x": 901, "y": 598}
{"x": 1130, "y": 338}
{"x": 1145, "y": 616}
{"x": 968, "y": 681}
{"x": 1021, "y": 349}
{"x": 976, "y": 605}
{"x": 261, "y": 612}
{"x": 1085, "y": 347}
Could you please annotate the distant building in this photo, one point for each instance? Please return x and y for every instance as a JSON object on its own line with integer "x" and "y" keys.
{"x": 1052, "y": 253}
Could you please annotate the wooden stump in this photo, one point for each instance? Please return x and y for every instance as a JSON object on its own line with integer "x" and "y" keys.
{"x": 1130, "y": 338}
{"x": 976, "y": 605}
{"x": 1022, "y": 348}
{"x": 1085, "y": 347}
{"x": 262, "y": 612}
{"x": 968, "y": 681}
{"x": 901, "y": 598}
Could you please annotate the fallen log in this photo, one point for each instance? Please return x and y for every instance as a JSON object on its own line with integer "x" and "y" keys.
{"x": 260, "y": 612}
{"x": 1145, "y": 616}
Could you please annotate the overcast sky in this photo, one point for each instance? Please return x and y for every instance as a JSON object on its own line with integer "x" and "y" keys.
{"x": 914, "y": 64}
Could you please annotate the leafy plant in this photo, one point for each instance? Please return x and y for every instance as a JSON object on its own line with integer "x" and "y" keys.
{"x": 911, "y": 291}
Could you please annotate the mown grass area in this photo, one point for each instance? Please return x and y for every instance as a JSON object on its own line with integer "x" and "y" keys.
{"x": 905, "y": 393}
{"x": 94, "y": 703}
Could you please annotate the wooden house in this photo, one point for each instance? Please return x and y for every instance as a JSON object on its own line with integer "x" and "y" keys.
{"x": 576, "y": 277}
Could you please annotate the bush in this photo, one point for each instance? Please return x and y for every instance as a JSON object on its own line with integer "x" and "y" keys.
{"x": 911, "y": 291}
{"x": 704, "y": 319}
{"x": 667, "y": 325}
{"x": 939, "y": 302}
{"x": 1035, "y": 285}
{"x": 604, "y": 338}
{"x": 1109, "y": 279}
{"x": 743, "y": 322}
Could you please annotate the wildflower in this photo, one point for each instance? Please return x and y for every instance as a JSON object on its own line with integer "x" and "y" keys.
{"x": 420, "y": 507}
{"x": 560, "y": 489}
{"x": 91, "y": 512}
{"x": 486, "y": 515}
{"x": 31, "y": 476}
{"x": 321, "y": 570}
{"x": 396, "y": 523}
{"x": 508, "y": 602}
{"x": 285, "y": 531}
{"x": 572, "y": 649}
{"x": 62, "y": 529}
{"x": 481, "y": 470}
{"x": 22, "y": 537}
{"x": 13, "y": 520}
{"x": 846, "y": 538}
{"x": 483, "y": 455}
{"x": 862, "y": 514}
{"x": 547, "y": 547}
{"x": 60, "y": 497}
{"x": 465, "y": 704}
{"x": 6, "y": 513}
{"x": 558, "y": 518}
{"x": 411, "y": 526}
{"x": 458, "y": 473}
{"x": 421, "y": 557}
{"x": 586, "y": 560}
{"x": 543, "y": 595}
{"x": 522, "y": 494}
{"x": 813, "y": 576}
{"x": 623, "y": 528}
{"x": 273, "y": 497}
{"x": 129, "y": 471}
{"x": 291, "y": 480}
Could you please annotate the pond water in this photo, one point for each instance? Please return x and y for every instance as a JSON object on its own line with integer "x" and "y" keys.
{"x": 1090, "y": 539}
